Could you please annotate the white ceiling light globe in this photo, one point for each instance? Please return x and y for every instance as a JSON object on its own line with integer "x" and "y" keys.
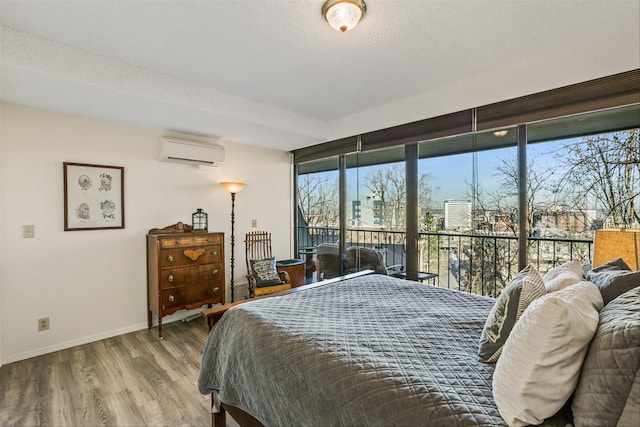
{"x": 343, "y": 15}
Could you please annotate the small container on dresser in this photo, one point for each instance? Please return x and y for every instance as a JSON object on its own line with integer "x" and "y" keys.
{"x": 184, "y": 271}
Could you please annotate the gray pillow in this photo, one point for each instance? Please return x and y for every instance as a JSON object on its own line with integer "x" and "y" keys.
{"x": 614, "y": 278}
{"x": 608, "y": 392}
{"x": 513, "y": 300}
{"x": 265, "y": 272}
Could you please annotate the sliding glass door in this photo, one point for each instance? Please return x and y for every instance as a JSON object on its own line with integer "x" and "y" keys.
{"x": 582, "y": 173}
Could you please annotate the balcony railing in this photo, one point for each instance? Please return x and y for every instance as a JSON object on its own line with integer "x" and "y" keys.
{"x": 477, "y": 263}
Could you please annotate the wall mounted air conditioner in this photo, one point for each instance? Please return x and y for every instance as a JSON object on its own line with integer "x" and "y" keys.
{"x": 179, "y": 150}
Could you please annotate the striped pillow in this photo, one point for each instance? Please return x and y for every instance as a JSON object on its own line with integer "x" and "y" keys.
{"x": 513, "y": 300}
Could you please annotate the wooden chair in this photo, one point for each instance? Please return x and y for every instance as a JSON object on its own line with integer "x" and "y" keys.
{"x": 258, "y": 248}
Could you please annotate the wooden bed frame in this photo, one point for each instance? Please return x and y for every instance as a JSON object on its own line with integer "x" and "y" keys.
{"x": 214, "y": 314}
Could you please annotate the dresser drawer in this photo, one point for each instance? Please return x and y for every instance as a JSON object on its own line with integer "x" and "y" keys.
{"x": 205, "y": 273}
{"x": 192, "y": 240}
{"x": 184, "y": 271}
{"x": 179, "y": 257}
{"x": 190, "y": 297}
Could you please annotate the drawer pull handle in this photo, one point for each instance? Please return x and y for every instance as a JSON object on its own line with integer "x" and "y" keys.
{"x": 170, "y": 258}
{"x": 215, "y": 253}
{"x": 214, "y": 272}
{"x": 170, "y": 278}
{"x": 171, "y": 298}
{"x": 215, "y": 290}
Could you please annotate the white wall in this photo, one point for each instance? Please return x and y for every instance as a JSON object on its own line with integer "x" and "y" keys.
{"x": 92, "y": 284}
{"x": 2, "y": 123}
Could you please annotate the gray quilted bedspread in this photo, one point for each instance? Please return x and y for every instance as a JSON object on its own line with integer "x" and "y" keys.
{"x": 374, "y": 351}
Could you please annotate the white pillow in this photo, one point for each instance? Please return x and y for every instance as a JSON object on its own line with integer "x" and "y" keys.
{"x": 563, "y": 276}
{"x": 541, "y": 360}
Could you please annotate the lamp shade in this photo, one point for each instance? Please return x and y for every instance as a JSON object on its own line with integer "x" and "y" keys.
{"x": 617, "y": 243}
{"x": 233, "y": 187}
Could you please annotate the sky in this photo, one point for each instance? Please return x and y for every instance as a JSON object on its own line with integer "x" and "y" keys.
{"x": 451, "y": 176}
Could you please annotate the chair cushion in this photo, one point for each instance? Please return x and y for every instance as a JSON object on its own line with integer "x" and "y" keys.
{"x": 265, "y": 272}
{"x": 513, "y": 300}
{"x": 268, "y": 290}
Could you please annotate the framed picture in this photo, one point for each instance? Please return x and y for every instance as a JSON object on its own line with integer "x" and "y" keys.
{"x": 93, "y": 197}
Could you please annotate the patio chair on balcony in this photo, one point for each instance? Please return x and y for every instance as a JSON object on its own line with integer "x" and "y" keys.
{"x": 356, "y": 258}
{"x": 359, "y": 258}
{"x": 328, "y": 261}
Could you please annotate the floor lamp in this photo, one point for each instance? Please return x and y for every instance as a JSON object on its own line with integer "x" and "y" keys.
{"x": 233, "y": 188}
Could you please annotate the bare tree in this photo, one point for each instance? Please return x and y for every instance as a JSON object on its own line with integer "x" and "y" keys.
{"x": 604, "y": 168}
{"x": 539, "y": 188}
{"x": 488, "y": 263}
{"x": 318, "y": 202}
{"x": 388, "y": 185}
{"x": 427, "y": 222}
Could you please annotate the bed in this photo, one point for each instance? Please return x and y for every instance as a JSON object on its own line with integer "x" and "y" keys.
{"x": 371, "y": 350}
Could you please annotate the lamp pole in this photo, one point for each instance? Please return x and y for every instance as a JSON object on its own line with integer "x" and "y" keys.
{"x": 233, "y": 241}
{"x": 233, "y": 188}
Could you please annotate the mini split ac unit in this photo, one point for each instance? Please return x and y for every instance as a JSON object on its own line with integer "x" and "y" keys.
{"x": 190, "y": 152}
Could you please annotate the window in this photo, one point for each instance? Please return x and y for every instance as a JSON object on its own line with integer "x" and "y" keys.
{"x": 469, "y": 210}
{"x": 375, "y": 183}
{"x": 318, "y": 205}
{"x": 469, "y": 192}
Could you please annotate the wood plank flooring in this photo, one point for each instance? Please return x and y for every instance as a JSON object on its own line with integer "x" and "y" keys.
{"x": 130, "y": 380}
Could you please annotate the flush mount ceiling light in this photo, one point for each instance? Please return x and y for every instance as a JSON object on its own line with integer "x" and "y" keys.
{"x": 343, "y": 15}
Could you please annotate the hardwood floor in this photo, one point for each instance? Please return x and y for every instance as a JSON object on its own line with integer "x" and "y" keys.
{"x": 130, "y": 380}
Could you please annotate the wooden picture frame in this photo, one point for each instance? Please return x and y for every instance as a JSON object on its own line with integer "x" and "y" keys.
{"x": 93, "y": 197}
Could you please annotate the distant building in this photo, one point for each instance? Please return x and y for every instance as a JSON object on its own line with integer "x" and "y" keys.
{"x": 378, "y": 212}
{"x": 355, "y": 209}
{"x": 566, "y": 220}
{"x": 457, "y": 215}
{"x": 367, "y": 212}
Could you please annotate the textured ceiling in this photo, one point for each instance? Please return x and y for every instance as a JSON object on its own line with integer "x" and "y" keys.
{"x": 272, "y": 73}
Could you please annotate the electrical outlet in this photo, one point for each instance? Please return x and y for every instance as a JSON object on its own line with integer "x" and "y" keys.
{"x": 43, "y": 324}
{"x": 254, "y": 223}
{"x": 28, "y": 231}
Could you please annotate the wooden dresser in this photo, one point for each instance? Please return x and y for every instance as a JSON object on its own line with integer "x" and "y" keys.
{"x": 184, "y": 271}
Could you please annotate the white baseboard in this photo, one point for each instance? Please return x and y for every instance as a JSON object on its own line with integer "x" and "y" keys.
{"x": 101, "y": 336}
{"x": 73, "y": 343}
